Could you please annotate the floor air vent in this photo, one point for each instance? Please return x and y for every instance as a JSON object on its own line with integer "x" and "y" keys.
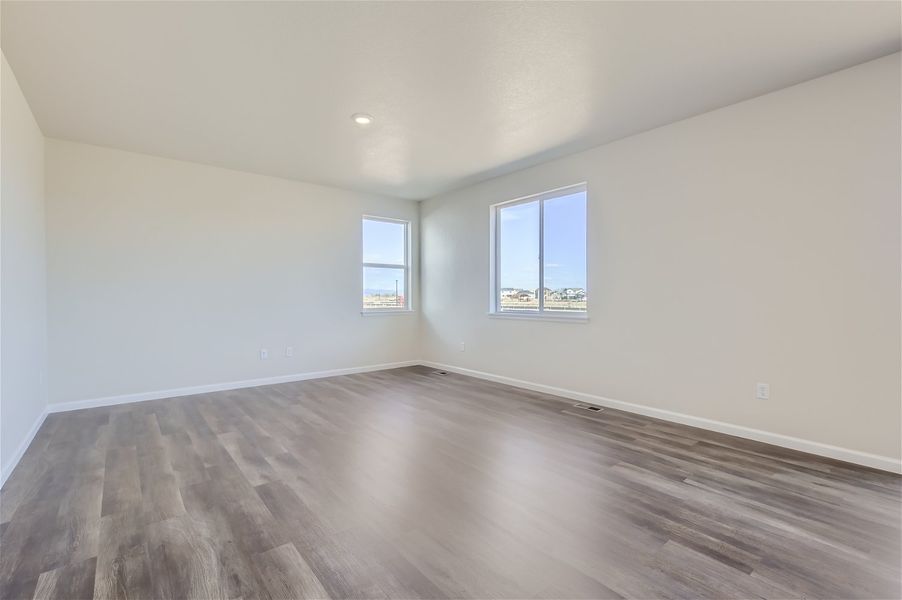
{"x": 588, "y": 407}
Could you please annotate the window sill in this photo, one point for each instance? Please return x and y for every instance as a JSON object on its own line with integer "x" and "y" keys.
{"x": 386, "y": 312}
{"x": 563, "y": 318}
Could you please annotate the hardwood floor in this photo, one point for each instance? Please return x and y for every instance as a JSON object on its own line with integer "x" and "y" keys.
{"x": 409, "y": 484}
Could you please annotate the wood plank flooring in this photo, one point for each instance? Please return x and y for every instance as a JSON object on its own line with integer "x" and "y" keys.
{"x": 409, "y": 484}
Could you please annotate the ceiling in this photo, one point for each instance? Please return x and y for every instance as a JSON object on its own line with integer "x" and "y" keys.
{"x": 461, "y": 91}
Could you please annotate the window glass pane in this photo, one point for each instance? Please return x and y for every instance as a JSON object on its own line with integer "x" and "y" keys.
{"x": 518, "y": 256}
{"x": 383, "y": 242}
{"x": 564, "y": 225}
{"x": 384, "y": 288}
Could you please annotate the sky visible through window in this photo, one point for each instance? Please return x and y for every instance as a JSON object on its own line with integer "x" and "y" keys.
{"x": 383, "y": 242}
{"x": 565, "y": 244}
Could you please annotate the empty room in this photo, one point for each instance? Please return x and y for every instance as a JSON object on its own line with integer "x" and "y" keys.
{"x": 397, "y": 300}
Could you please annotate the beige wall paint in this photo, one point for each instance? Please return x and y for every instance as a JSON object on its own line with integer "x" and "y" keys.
{"x": 759, "y": 242}
{"x": 164, "y": 274}
{"x": 23, "y": 322}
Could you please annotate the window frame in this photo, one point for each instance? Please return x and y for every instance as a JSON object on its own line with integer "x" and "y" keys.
{"x": 408, "y": 307}
{"x": 494, "y": 268}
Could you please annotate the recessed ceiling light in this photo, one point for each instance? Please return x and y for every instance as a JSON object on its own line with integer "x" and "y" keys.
{"x": 362, "y": 119}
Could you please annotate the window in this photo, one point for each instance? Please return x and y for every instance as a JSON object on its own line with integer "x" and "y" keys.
{"x": 386, "y": 265}
{"x": 539, "y": 255}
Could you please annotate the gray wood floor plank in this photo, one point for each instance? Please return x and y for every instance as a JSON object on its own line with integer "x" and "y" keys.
{"x": 123, "y": 568}
{"x": 160, "y": 495}
{"x": 186, "y": 560}
{"x": 72, "y": 582}
{"x": 122, "y": 481}
{"x": 286, "y": 575}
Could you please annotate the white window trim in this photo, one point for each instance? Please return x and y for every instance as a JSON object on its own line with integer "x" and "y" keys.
{"x": 559, "y": 317}
{"x": 408, "y": 308}
{"x": 494, "y": 236}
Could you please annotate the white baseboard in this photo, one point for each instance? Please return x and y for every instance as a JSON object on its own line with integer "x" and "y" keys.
{"x": 20, "y": 451}
{"x": 184, "y": 391}
{"x": 219, "y": 387}
{"x": 884, "y": 463}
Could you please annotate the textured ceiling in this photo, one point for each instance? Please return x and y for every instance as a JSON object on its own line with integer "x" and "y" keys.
{"x": 460, "y": 91}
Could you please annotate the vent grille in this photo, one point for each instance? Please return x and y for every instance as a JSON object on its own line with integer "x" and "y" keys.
{"x": 588, "y": 407}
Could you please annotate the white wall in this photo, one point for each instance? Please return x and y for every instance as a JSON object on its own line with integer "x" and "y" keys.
{"x": 164, "y": 274}
{"x": 23, "y": 323}
{"x": 759, "y": 242}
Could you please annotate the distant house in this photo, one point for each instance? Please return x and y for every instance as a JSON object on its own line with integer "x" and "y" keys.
{"x": 548, "y": 292}
{"x": 573, "y": 294}
{"x": 524, "y": 296}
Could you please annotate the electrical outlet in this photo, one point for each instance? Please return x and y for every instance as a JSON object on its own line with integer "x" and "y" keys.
{"x": 762, "y": 391}
{"x": 264, "y": 354}
{"x": 463, "y": 347}
{"x": 289, "y": 351}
